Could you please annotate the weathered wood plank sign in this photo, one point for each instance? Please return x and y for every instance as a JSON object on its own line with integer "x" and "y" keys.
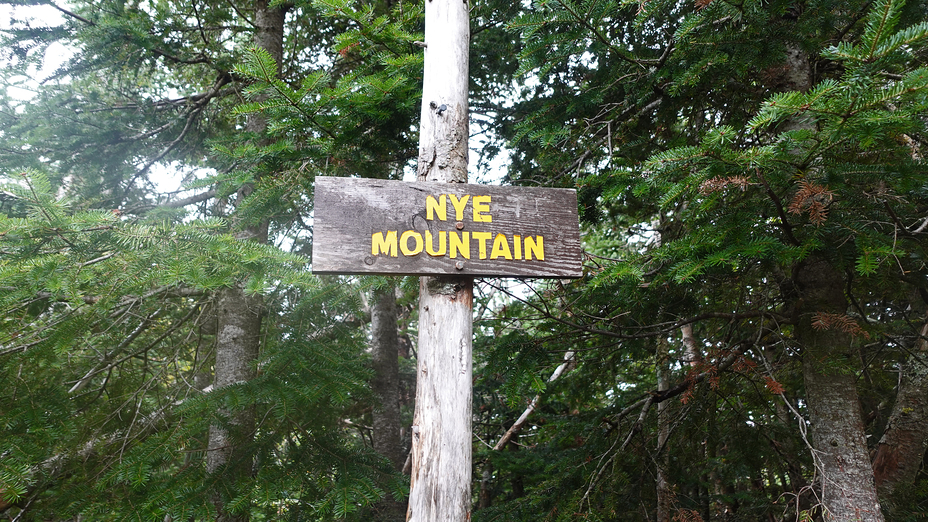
{"x": 366, "y": 226}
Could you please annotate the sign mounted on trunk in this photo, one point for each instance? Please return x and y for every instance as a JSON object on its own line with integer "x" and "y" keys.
{"x": 368, "y": 226}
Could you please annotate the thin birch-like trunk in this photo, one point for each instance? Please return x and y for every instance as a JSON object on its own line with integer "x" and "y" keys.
{"x": 664, "y": 494}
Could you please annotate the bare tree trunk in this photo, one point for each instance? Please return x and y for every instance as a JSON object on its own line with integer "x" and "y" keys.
{"x": 239, "y": 315}
{"x": 237, "y": 343}
{"x": 664, "y": 494}
{"x": 385, "y": 347}
{"x": 441, "y": 433}
{"x": 486, "y": 479}
{"x": 902, "y": 447}
{"x": 386, "y": 414}
{"x": 829, "y": 362}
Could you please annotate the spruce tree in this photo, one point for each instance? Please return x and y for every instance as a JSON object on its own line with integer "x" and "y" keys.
{"x": 752, "y": 171}
{"x": 115, "y": 293}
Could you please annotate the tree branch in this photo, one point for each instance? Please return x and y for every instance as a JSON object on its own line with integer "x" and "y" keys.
{"x": 784, "y": 223}
{"x": 196, "y": 198}
{"x": 517, "y": 426}
{"x": 70, "y": 14}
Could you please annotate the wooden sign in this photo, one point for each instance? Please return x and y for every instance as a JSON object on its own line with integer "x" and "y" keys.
{"x": 367, "y": 226}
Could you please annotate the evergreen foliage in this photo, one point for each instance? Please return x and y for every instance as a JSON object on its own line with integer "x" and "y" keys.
{"x": 103, "y": 388}
{"x": 110, "y": 286}
{"x": 709, "y": 178}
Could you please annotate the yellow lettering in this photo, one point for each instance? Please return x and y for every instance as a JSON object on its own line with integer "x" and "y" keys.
{"x": 535, "y": 246}
{"x": 459, "y": 243}
{"x": 437, "y": 207}
{"x": 404, "y": 243}
{"x": 459, "y": 206}
{"x": 517, "y": 246}
{"x": 483, "y": 237}
{"x": 481, "y": 204}
{"x": 387, "y": 244}
{"x": 430, "y": 243}
{"x": 501, "y": 248}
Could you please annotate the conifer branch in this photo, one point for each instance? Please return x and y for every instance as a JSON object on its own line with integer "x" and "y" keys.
{"x": 82, "y": 382}
{"x": 582, "y": 20}
{"x": 784, "y": 222}
{"x": 192, "y": 115}
{"x": 196, "y": 198}
{"x": 636, "y": 428}
{"x": 653, "y": 397}
{"x": 657, "y": 329}
{"x": 602, "y": 141}
{"x": 71, "y": 14}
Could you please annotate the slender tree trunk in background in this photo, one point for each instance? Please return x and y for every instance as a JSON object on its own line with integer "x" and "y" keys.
{"x": 385, "y": 349}
{"x": 902, "y": 447}
{"x": 237, "y": 342}
{"x": 517, "y": 480}
{"x": 664, "y": 494}
{"x": 239, "y": 315}
{"x": 829, "y": 364}
{"x": 693, "y": 357}
{"x": 796, "y": 482}
{"x": 386, "y": 413}
{"x": 710, "y": 450}
{"x": 441, "y": 434}
{"x": 690, "y": 347}
{"x": 485, "y": 498}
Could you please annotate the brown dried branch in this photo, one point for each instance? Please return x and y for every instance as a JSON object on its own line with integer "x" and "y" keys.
{"x": 812, "y": 199}
{"x": 840, "y": 322}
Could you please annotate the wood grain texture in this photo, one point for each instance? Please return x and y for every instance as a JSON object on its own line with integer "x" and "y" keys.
{"x": 442, "y": 436}
{"x": 348, "y": 211}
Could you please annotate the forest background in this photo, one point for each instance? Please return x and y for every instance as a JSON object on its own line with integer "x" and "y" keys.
{"x": 749, "y": 340}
